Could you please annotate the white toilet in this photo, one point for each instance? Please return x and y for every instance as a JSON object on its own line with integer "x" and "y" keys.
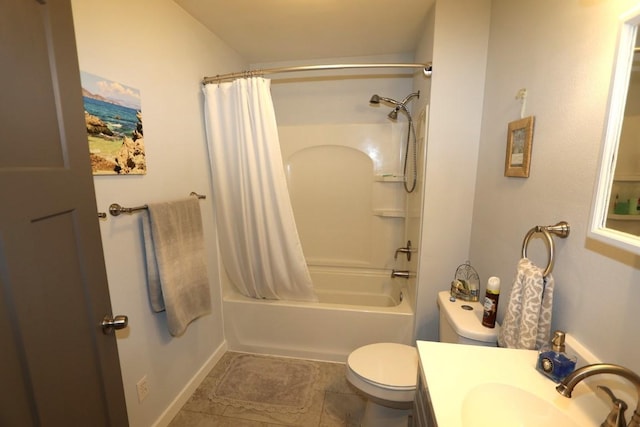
{"x": 386, "y": 373}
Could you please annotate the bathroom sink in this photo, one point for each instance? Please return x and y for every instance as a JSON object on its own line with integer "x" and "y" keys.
{"x": 491, "y": 386}
{"x": 506, "y": 405}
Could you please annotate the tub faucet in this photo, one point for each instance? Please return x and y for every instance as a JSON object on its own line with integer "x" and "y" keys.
{"x": 406, "y": 250}
{"x": 566, "y": 385}
{"x": 401, "y": 273}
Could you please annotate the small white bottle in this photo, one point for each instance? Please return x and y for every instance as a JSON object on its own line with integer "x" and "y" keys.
{"x": 491, "y": 302}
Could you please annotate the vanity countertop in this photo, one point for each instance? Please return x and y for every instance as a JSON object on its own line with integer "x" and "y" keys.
{"x": 454, "y": 371}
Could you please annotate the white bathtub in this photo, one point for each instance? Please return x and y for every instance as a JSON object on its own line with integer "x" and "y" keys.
{"x": 356, "y": 308}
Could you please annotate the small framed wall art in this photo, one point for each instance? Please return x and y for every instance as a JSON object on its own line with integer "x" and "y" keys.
{"x": 519, "y": 139}
{"x": 113, "y": 118}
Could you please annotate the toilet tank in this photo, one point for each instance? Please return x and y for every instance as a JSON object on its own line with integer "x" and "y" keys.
{"x": 461, "y": 322}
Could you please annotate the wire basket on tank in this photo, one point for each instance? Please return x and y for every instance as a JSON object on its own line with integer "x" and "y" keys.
{"x": 466, "y": 283}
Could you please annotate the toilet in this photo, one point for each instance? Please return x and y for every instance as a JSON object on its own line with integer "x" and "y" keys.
{"x": 386, "y": 373}
{"x": 461, "y": 322}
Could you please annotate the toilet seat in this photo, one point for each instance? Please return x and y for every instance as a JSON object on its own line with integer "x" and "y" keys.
{"x": 386, "y": 371}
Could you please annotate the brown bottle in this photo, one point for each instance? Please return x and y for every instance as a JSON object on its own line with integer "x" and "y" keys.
{"x": 491, "y": 302}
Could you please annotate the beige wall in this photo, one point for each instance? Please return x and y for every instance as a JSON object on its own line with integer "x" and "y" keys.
{"x": 562, "y": 53}
{"x": 459, "y": 47}
{"x": 154, "y": 46}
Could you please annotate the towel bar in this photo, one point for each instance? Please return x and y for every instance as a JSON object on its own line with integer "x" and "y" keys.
{"x": 561, "y": 229}
{"x": 115, "y": 209}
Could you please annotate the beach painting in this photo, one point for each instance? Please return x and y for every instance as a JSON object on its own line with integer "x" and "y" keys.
{"x": 113, "y": 118}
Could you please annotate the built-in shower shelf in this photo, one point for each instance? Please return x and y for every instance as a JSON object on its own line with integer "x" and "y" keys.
{"x": 389, "y": 178}
{"x": 389, "y": 213}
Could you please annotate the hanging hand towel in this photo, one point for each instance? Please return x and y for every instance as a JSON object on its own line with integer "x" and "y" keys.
{"x": 176, "y": 270}
{"x": 527, "y": 323}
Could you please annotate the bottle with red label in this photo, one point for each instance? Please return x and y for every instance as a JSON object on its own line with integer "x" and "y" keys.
{"x": 491, "y": 302}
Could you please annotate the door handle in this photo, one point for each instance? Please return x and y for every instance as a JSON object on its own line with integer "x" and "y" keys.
{"x": 109, "y": 323}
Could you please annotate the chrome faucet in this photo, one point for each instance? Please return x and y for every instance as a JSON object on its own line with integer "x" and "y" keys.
{"x": 406, "y": 250}
{"x": 401, "y": 273}
{"x": 567, "y": 385}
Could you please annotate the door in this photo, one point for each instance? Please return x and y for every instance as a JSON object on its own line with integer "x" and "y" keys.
{"x": 57, "y": 367}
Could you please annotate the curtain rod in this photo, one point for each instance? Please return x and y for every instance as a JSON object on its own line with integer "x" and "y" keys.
{"x": 427, "y": 68}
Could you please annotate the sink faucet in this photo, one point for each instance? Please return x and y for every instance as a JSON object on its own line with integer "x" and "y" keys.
{"x": 566, "y": 385}
{"x": 616, "y": 416}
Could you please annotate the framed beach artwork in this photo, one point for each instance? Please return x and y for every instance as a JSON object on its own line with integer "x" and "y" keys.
{"x": 519, "y": 139}
{"x": 114, "y": 126}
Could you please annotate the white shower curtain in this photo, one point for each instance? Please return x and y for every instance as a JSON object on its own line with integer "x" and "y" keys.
{"x": 257, "y": 234}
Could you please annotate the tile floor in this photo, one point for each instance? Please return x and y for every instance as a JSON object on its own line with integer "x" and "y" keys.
{"x": 335, "y": 403}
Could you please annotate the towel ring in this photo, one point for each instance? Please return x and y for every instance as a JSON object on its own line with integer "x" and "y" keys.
{"x": 549, "y": 240}
{"x": 561, "y": 229}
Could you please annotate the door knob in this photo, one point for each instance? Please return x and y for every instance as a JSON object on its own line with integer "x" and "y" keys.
{"x": 109, "y": 323}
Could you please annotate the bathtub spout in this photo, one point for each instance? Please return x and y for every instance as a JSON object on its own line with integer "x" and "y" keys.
{"x": 401, "y": 273}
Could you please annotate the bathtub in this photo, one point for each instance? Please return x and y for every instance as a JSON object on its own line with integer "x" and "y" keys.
{"x": 356, "y": 307}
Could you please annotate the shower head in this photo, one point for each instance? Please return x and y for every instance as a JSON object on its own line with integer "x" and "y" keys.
{"x": 375, "y": 99}
{"x": 393, "y": 115}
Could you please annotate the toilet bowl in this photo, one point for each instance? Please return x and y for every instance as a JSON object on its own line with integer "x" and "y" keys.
{"x": 386, "y": 373}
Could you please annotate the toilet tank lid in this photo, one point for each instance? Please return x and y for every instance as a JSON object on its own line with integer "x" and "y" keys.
{"x": 466, "y": 323}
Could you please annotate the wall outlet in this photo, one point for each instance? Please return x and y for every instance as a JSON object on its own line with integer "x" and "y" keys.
{"x": 143, "y": 388}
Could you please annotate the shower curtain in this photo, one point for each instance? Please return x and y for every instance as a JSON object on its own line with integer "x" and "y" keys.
{"x": 258, "y": 239}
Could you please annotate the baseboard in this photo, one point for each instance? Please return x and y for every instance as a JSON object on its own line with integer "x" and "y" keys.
{"x": 184, "y": 395}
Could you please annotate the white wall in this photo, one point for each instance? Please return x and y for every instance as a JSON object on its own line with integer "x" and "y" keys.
{"x": 154, "y": 46}
{"x": 562, "y": 52}
{"x": 336, "y": 96}
{"x": 423, "y": 54}
{"x": 457, "y": 45}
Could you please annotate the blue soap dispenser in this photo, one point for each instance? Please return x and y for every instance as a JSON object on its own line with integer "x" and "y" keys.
{"x": 553, "y": 361}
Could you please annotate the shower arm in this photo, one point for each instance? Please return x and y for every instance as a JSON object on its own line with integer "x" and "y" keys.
{"x": 389, "y": 100}
{"x": 408, "y": 97}
{"x": 400, "y": 104}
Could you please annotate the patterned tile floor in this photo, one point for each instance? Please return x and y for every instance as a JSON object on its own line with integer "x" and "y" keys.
{"x": 335, "y": 403}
